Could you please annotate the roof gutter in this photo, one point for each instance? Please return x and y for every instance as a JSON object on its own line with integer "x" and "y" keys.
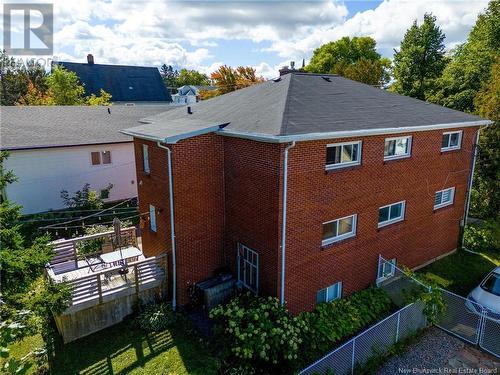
{"x": 283, "y": 221}
{"x": 347, "y": 133}
{"x": 172, "y": 224}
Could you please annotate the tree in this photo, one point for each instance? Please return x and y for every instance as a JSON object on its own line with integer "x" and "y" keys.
{"x": 487, "y": 183}
{"x": 354, "y": 58}
{"x": 61, "y": 88}
{"x": 85, "y": 199}
{"x": 192, "y": 77}
{"x": 470, "y": 65}
{"x": 15, "y": 78}
{"x": 169, "y": 76}
{"x": 227, "y": 79}
{"x": 420, "y": 59}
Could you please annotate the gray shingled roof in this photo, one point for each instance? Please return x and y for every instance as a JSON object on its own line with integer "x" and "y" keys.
{"x": 302, "y": 104}
{"x": 26, "y": 127}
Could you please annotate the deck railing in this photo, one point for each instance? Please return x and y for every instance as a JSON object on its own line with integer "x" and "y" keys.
{"x": 67, "y": 250}
{"x": 131, "y": 279}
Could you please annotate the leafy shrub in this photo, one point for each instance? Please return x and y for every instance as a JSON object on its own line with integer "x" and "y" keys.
{"x": 331, "y": 322}
{"x": 483, "y": 237}
{"x": 156, "y": 317}
{"x": 258, "y": 335}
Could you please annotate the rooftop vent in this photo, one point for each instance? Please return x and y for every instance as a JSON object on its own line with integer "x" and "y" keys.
{"x": 189, "y": 110}
{"x": 129, "y": 104}
{"x": 90, "y": 59}
{"x": 277, "y": 79}
{"x": 327, "y": 79}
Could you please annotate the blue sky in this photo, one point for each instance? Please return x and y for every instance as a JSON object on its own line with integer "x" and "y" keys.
{"x": 264, "y": 34}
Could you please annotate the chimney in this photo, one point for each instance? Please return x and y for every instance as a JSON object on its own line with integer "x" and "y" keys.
{"x": 189, "y": 110}
{"x": 90, "y": 59}
{"x": 285, "y": 70}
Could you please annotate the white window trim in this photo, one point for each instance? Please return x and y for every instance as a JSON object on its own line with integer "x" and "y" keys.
{"x": 380, "y": 274}
{"x": 152, "y": 218}
{"x": 341, "y": 288}
{"x": 448, "y": 203}
{"x": 344, "y": 236}
{"x": 402, "y": 156}
{"x": 451, "y": 148}
{"x": 396, "y": 220}
{"x": 240, "y": 259}
{"x": 346, "y": 164}
{"x": 145, "y": 159}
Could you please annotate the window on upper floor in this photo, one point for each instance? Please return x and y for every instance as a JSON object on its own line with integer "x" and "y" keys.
{"x": 330, "y": 293}
{"x": 339, "y": 229}
{"x": 444, "y": 198}
{"x": 391, "y": 213}
{"x": 340, "y": 155}
{"x": 145, "y": 159}
{"x": 152, "y": 218}
{"x": 451, "y": 141}
{"x": 100, "y": 157}
{"x": 398, "y": 147}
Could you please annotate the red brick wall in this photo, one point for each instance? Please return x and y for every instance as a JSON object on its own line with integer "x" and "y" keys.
{"x": 153, "y": 189}
{"x": 198, "y": 201}
{"x": 252, "y": 189}
{"x": 316, "y": 196}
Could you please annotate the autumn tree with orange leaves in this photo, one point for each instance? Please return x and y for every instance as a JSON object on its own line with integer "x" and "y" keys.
{"x": 228, "y": 79}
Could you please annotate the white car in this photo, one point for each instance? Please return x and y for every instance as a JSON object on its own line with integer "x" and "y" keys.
{"x": 487, "y": 294}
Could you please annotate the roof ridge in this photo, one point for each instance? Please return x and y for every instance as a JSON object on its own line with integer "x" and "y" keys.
{"x": 284, "y": 121}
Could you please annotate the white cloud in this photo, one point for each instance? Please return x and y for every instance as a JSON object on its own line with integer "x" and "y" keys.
{"x": 185, "y": 33}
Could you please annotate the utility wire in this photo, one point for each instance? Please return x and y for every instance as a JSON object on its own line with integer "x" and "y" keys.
{"x": 84, "y": 226}
{"x": 89, "y": 216}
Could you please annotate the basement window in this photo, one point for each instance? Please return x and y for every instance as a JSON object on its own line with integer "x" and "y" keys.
{"x": 330, "y": 293}
{"x": 341, "y": 155}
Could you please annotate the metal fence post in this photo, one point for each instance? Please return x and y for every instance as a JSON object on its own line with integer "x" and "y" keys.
{"x": 397, "y": 327}
{"x": 352, "y": 357}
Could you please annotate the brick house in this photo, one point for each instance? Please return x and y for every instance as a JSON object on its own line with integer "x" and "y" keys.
{"x": 299, "y": 183}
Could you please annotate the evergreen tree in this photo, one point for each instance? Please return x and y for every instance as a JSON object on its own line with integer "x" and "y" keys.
{"x": 420, "y": 59}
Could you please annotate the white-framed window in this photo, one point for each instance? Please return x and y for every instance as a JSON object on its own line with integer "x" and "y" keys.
{"x": 330, "y": 293}
{"x": 444, "y": 198}
{"x": 451, "y": 141}
{"x": 391, "y": 213}
{"x": 386, "y": 269}
{"x": 145, "y": 159}
{"x": 339, "y": 229}
{"x": 248, "y": 267}
{"x": 340, "y": 155}
{"x": 397, "y": 147}
{"x": 152, "y": 218}
{"x": 100, "y": 157}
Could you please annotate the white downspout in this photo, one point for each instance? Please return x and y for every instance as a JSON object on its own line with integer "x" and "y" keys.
{"x": 172, "y": 224}
{"x": 283, "y": 221}
{"x": 469, "y": 192}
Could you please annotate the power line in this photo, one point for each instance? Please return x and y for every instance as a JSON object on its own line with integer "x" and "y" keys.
{"x": 84, "y": 226}
{"x": 92, "y": 215}
{"x": 129, "y": 210}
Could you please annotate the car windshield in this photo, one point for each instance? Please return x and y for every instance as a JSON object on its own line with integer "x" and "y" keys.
{"x": 492, "y": 284}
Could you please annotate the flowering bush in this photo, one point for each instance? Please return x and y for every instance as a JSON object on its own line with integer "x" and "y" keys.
{"x": 257, "y": 334}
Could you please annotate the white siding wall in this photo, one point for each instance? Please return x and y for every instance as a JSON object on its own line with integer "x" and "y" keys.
{"x": 43, "y": 173}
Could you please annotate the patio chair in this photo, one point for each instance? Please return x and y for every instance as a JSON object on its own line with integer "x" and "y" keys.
{"x": 95, "y": 263}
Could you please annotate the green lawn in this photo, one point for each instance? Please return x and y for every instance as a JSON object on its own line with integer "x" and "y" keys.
{"x": 462, "y": 271}
{"x": 126, "y": 349}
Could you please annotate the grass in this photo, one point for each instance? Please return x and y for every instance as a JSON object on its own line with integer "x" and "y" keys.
{"x": 462, "y": 271}
{"x": 22, "y": 348}
{"x": 126, "y": 349}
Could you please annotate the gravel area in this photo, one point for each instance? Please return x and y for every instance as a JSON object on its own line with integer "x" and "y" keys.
{"x": 436, "y": 352}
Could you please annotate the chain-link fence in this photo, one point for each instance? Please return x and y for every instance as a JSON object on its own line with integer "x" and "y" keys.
{"x": 375, "y": 340}
{"x": 461, "y": 317}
